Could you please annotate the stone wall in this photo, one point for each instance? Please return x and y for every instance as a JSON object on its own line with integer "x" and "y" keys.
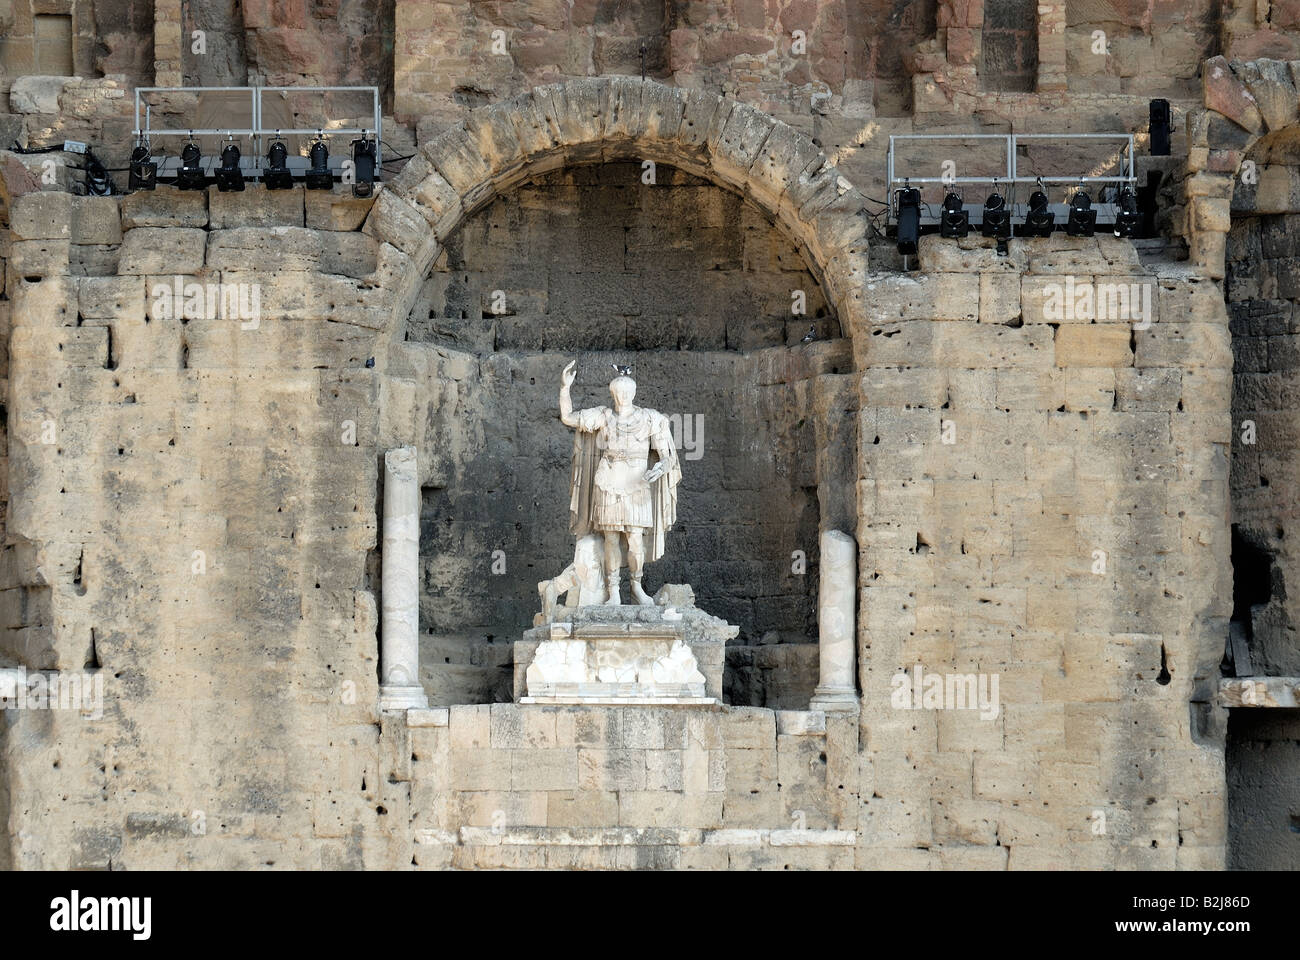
{"x": 203, "y": 523}
{"x": 634, "y": 787}
{"x": 1262, "y": 294}
{"x": 1263, "y": 753}
{"x": 1071, "y": 539}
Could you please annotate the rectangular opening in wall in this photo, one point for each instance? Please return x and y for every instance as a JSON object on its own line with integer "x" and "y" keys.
{"x": 1009, "y": 45}
{"x": 54, "y": 45}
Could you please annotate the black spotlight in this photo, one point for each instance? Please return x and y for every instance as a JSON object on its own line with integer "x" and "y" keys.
{"x": 319, "y": 176}
{"x": 909, "y": 220}
{"x": 363, "y": 166}
{"x": 1039, "y": 221}
{"x": 191, "y": 175}
{"x": 143, "y": 173}
{"x": 1083, "y": 219}
{"x": 954, "y": 223}
{"x": 277, "y": 175}
{"x": 229, "y": 176}
{"x": 1160, "y": 128}
{"x": 997, "y": 218}
{"x": 1129, "y": 220}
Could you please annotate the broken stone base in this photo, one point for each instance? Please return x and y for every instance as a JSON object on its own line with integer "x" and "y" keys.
{"x": 624, "y": 654}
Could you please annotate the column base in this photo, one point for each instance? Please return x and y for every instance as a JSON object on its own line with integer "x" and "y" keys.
{"x": 835, "y": 700}
{"x": 402, "y": 698}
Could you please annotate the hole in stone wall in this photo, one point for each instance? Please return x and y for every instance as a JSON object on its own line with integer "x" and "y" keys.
{"x": 1252, "y": 579}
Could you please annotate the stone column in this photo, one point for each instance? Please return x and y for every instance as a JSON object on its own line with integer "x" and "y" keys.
{"x": 399, "y": 647}
{"x": 837, "y": 604}
{"x": 168, "y": 43}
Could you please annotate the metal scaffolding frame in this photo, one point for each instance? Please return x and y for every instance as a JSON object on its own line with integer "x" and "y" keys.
{"x": 1012, "y": 178}
{"x": 257, "y": 134}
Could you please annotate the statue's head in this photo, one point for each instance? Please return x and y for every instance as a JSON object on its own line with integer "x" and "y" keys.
{"x": 622, "y": 389}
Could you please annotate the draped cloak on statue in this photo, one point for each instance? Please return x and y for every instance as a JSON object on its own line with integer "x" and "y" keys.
{"x": 600, "y": 482}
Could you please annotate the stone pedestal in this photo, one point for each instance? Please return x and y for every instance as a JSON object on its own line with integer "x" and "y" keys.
{"x": 625, "y": 654}
{"x": 837, "y": 604}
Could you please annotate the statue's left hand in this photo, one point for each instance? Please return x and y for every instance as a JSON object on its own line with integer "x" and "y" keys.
{"x": 655, "y": 472}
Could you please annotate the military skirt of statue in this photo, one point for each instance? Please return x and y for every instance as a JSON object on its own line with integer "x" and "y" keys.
{"x": 621, "y": 499}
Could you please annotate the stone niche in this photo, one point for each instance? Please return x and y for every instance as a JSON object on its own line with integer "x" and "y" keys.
{"x": 694, "y": 287}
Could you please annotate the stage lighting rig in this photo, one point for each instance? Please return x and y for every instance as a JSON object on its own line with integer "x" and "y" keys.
{"x": 191, "y": 176}
{"x": 277, "y": 175}
{"x": 954, "y": 222}
{"x": 319, "y": 176}
{"x": 143, "y": 171}
{"x": 997, "y": 218}
{"x": 1128, "y": 220}
{"x": 363, "y": 166}
{"x": 909, "y": 220}
{"x": 1039, "y": 221}
{"x": 1083, "y": 219}
{"x": 229, "y": 176}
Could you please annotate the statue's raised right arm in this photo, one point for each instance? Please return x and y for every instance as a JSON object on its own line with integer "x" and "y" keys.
{"x": 566, "y": 402}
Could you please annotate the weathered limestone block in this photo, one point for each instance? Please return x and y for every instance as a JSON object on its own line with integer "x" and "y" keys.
{"x": 456, "y": 157}
{"x": 43, "y": 302}
{"x": 336, "y": 209}
{"x": 1184, "y": 345}
{"x": 535, "y": 122}
{"x": 256, "y": 207}
{"x": 1102, "y": 254}
{"x": 164, "y": 206}
{"x": 398, "y": 222}
{"x": 263, "y": 249}
{"x": 493, "y": 134}
{"x": 999, "y": 298}
{"x": 42, "y": 216}
{"x": 1224, "y": 92}
{"x": 111, "y": 297}
{"x": 624, "y": 119}
{"x": 841, "y": 227}
{"x": 581, "y": 107}
{"x": 312, "y": 296}
{"x": 36, "y": 94}
{"x": 439, "y": 203}
{"x": 1210, "y": 213}
{"x": 971, "y": 254}
{"x": 96, "y": 220}
{"x": 943, "y": 296}
{"x": 660, "y": 116}
{"x": 738, "y": 144}
{"x": 39, "y": 258}
{"x": 159, "y": 250}
{"x": 413, "y": 171}
{"x": 1273, "y": 88}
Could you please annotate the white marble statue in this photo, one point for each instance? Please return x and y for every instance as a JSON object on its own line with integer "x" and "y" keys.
{"x": 582, "y": 582}
{"x": 625, "y": 476}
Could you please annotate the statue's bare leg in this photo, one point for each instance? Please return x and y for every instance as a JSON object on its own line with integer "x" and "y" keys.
{"x": 635, "y": 563}
{"x": 613, "y": 560}
{"x": 550, "y": 591}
